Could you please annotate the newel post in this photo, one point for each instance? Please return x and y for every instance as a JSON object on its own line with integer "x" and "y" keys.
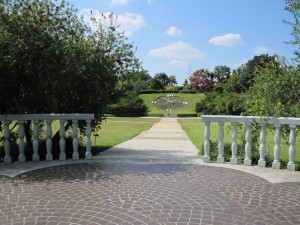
{"x": 206, "y": 157}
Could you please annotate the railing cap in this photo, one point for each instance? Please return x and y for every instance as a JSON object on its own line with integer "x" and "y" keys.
{"x": 241, "y": 119}
{"x": 71, "y": 116}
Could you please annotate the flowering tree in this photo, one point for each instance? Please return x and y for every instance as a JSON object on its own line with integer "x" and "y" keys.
{"x": 201, "y": 81}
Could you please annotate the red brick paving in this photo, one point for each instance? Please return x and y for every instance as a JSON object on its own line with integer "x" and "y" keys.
{"x": 135, "y": 193}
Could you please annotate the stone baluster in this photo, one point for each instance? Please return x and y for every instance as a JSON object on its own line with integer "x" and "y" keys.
{"x": 35, "y": 156}
{"x": 49, "y": 155}
{"x": 292, "y": 149}
{"x": 262, "y": 146}
{"x": 62, "y": 142}
{"x": 7, "y": 157}
{"x": 248, "y": 137}
{"x": 277, "y": 140}
{"x": 88, "y": 144}
{"x": 233, "y": 159}
{"x": 75, "y": 154}
{"x": 206, "y": 157}
{"x": 21, "y": 157}
{"x": 220, "y": 158}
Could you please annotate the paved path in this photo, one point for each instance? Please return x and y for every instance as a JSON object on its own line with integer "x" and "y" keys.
{"x": 156, "y": 178}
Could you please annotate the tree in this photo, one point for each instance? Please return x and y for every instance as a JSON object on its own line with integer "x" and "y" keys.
{"x": 293, "y": 6}
{"x": 201, "y": 81}
{"x": 243, "y": 77}
{"x": 276, "y": 91}
{"x": 52, "y": 62}
{"x": 220, "y": 75}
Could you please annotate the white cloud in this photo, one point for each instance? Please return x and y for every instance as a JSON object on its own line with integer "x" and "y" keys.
{"x": 128, "y": 22}
{"x": 113, "y": 3}
{"x": 173, "y": 31}
{"x": 227, "y": 40}
{"x": 177, "y": 51}
{"x": 261, "y": 50}
{"x": 131, "y": 22}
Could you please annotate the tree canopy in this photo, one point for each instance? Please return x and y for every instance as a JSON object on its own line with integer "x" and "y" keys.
{"x": 51, "y": 61}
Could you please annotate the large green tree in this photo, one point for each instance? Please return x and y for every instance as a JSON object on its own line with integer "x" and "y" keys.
{"x": 276, "y": 91}
{"x": 50, "y": 61}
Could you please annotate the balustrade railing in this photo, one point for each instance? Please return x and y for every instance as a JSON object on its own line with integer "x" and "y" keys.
{"x": 49, "y": 118}
{"x": 247, "y": 121}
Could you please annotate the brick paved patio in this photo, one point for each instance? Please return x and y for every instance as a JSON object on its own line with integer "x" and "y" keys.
{"x": 139, "y": 193}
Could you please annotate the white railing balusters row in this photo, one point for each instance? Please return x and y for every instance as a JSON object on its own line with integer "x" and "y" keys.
{"x": 248, "y": 120}
{"x": 49, "y": 118}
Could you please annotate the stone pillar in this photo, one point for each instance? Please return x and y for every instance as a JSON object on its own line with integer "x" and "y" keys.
{"x": 75, "y": 154}
{"x": 221, "y": 143}
{"x": 262, "y": 146}
{"x": 248, "y": 136}
{"x": 206, "y": 157}
{"x": 277, "y": 140}
{"x": 292, "y": 149}
{"x": 233, "y": 159}
{"x": 88, "y": 144}
{"x": 49, "y": 155}
{"x": 62, "y": 142}
{"x": 22, "y": 157}
{"x": 35, "y": 156}
{"x": 7, "y": 157}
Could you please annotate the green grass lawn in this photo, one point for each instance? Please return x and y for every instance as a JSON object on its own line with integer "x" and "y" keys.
{"x": 192, "y": 99}
{"x": 117, "y": 130}
{"x": 195, "y": 131}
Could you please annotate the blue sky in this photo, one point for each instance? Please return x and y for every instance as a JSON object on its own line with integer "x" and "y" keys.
{"x": 178, "y": 37}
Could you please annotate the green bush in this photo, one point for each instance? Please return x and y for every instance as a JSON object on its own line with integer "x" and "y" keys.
{"x": 216, "y": 103}
{"x": 130, "y": 104}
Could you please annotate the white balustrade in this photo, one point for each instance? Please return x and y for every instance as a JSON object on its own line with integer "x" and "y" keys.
{"x": 49, "y": 118}
{"x": 277, "y": 123}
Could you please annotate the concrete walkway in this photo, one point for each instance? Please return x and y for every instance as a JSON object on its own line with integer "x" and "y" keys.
{"x": 155, "y": 178}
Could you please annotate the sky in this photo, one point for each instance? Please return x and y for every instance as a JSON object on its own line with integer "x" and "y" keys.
{"x": 178, "y": 37}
